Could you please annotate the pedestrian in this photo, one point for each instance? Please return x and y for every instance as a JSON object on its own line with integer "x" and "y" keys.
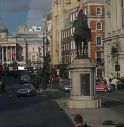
{"x": 114, "y": 83}
{"x": 78, "y": 121}
{"x": 2, "y": 86}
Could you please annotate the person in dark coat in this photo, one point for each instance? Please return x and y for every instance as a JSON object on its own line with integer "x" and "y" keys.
{"x": 2, "y": 86}
{"x": 78, "y": 121}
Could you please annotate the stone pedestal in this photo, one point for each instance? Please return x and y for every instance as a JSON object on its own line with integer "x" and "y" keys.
{"x": 82, "y": 75}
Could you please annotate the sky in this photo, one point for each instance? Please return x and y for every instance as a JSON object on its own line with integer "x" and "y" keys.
{"x": 18, "y": 12}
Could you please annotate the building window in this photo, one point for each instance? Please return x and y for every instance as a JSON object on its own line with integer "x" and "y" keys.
{"x": 99, "y": 72}
{"x": 98, "y": 54}
{"x": 64, "y": 47}
{"x": 99, "y": 41}
{"x": 33, "y": 58}
{"x": 33, "y": 49}
{"x": 64, "y": 34}
{"x": 99, "y": 26}
{"x": 98, "y": 11}
{"x": 99, "y": 57}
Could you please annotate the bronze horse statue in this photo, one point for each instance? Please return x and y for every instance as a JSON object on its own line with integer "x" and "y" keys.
{"x": 82, "y": 34}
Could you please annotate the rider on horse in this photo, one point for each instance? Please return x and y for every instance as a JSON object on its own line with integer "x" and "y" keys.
{"x": 82, "y": 32}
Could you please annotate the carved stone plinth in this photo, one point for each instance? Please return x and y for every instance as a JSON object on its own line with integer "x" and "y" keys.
{"x": 82, "y": 75}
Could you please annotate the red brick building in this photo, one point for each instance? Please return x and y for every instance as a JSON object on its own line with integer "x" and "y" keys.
{"x": 96, "y": 21}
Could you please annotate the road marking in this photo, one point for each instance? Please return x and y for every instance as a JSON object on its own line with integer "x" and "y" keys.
{"x": 110, "y": 98}
{"x": 67, "y": 93}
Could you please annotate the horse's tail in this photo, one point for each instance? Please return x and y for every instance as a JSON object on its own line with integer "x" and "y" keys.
{"x": 90, "y": 35}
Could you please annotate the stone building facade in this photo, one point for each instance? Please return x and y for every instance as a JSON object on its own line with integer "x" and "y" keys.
{"x": 60, "y": 9}
{"x": 96, "y": 18}
{"x": 24, "y": 47}
{"x": 114, "y": 38}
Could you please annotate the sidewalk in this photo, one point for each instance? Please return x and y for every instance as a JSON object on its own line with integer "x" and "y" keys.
{"x": 93, "y": 117}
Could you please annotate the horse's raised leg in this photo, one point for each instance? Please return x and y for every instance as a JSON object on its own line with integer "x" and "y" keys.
{"x": 81, "y": 48}
{"x": 77, "y": 50}
{"x": 84, "y": 49}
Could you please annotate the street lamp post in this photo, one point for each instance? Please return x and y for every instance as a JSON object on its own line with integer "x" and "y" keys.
{"x": 0, "y": 53}
{"x": 46, "y": 63}
{"x": 26, "y": 52}
{"x": 117, "y": 66}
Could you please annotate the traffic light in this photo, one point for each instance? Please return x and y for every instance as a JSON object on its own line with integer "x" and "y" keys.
{"x": 117, "y": 67}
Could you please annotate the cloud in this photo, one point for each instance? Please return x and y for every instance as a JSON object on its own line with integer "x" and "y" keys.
{"x": 15, "y": 5}
{"x": 34, "y": 18}
{"x": 25, "y": 5}
{"x": 36, "y": 10}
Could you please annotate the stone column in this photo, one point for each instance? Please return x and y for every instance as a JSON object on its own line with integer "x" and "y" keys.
{"x": 10, "y": 53}
{"x": 114, "y": 15}
{"x": 82, "y": 75}
{"x": 119, "y": 14}
{"x": 122, "y": 13}
{"x": 6, "y": 53}
{"x": 2, "y": 54}
{"x": 15, "y": 53}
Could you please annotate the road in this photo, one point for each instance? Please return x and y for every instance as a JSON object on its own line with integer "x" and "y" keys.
{"x": 42, "y": 110}
{"x": 113, "y": 100}
{"x": 38, "y": 111}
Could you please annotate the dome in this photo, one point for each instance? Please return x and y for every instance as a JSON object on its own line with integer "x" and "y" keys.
{"x": 3, "y": 28}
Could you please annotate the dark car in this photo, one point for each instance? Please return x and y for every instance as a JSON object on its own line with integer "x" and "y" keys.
{"x": 65, "y": 85}
{"x": 26, "y": 90}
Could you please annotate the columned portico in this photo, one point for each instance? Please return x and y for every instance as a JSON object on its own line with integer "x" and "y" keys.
{"x": 8, "y": 53}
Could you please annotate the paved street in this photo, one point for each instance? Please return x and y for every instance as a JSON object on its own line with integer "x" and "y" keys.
{"x": 112, "y": 109}
{"x": 40, "y": 110}
{"x": 49, "y": 108}
{"x": 31, "y": 112}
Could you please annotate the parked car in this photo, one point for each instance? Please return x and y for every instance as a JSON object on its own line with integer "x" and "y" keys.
{"x": 103, "y": 88}
{"x": 26, "y": 90}
{"x": 65, "y": 85}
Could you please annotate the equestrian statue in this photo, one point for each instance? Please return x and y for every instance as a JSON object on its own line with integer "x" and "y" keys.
{"x": 82, "y": 33}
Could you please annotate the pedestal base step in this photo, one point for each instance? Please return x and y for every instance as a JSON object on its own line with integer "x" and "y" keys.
{"x": 83, "y": 103}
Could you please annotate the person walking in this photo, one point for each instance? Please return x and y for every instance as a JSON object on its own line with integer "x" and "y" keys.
{"x": 2, "y": 86}
{"x": 114, "y": 83}
{"x": 78, "y": 121}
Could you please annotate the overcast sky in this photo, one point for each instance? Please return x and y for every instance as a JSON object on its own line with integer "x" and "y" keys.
{"x": 17, "y": 12}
